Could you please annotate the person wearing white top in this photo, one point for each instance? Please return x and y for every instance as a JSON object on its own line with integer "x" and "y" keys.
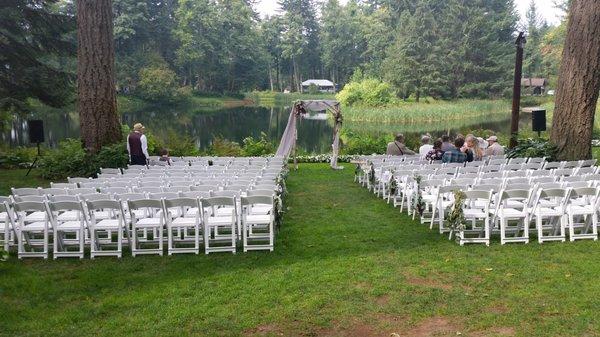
{"x": 426, "y": 147}
{"x": 137, "y": 146}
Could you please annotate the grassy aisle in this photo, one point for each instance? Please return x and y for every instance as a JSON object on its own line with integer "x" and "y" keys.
{"x": 345, "y": 264}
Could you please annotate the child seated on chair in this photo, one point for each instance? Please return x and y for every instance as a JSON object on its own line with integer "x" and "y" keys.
{"x": 164, "y": 156}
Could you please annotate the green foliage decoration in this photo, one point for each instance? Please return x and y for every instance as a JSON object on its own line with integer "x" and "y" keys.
{"x": 418, "y": 203}
{"x": 456, "y": 217}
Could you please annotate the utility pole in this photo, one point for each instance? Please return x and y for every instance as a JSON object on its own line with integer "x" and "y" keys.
{"x": 514, "y": 119}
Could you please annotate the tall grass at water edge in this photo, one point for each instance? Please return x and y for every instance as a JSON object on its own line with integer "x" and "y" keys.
{"x": 428, "y": 112}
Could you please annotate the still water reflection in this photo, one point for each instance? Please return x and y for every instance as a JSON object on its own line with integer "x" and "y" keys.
{"x": 314, "y": 134}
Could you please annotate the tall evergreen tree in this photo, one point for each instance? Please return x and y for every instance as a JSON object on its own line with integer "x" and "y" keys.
{"x": 33, "y": 49}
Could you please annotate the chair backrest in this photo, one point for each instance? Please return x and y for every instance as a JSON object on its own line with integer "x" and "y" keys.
{"x": 204, "y": 188}
{"x": 83, "y": 190}
{"x": 33, "y": 198}
{"x": 182, "y": 202}
{"x": 163, "y": 195}
{"x": 510, "y": 174}
{"x": 592, "y": 177}
{"x": 176, "y": 189}
{"x": 517, "y": 180}
{"x": 531, "y": 166}
{"x": 59, "y": 198}
{"x": 521, "y": 194}
{"x": 231, "y": 194}
{"x": 551, "y": 165}
{"x": 218, "y": 201}
{"x": 59, "y": 206}
{"x": 487, "y": 187}
{"x": 195, "y": 194}
{"x": 568, "y": 179}
{"x": 29, "y": 206}
{"x": 571, "y": 164}
{"x": 273, "y": 187}
{"x": 63, "y": 185}
{"x": 563, "y": 172}
{"x": 517, "y": 186}
{"x": 475, "y": 195}
{"x": 548, "y": 179}
{"x": 115, "y": 190}
{"x": 236, "y": 188}
{"x": 130, "y": 196}
{"x": 110, "y": 171}
{"x": 187, "y": 183}
{"x": 25, "y": 191}
{"x": 260, "y": 192}
{"x": 586, "y": 170}
{"x": 257, "y": 199}
{"x": 574, "y": 184}
{"x": 497, "y": 161}
{"x": 77, "y": 180}
{"x": 519, "y": 160}
{"x": 54, "y": 191}
{"x": 151, "y": 190}
{"x": 144, "y": 203}
{"x": 96, "y": 196}
{"x": 536, "y": 160}
{"x": 103, "y": 204}
{"x": 587, "y": 163}
{"x": 512, "y": 167}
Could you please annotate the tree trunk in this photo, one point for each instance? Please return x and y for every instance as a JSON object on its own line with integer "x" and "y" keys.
{"x": 578, "y": 82}
{"x": 97, "y": 99}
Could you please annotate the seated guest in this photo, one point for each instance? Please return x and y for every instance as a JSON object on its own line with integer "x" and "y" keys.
{"x": 446, "y": 145}
{"x": 164, "y": 156}
{"x": 436, "y": 153}
{"x": 455, "y": 155}
{"x": 397, "y": 147}
{"x": 426, "y": 147}
{"x": 472, "y": 149}
{"x": 494, "y": 149}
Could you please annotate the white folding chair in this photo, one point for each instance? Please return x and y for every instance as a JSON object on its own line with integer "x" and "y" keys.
{"x": 75, "y": 224}
{"x": 582, "y": 211}
{"x": 550, "y": 216}
{"x": 179, "y": 224}
{"x": 146, "y": 215}
{"x": 32, "y": 231}
{"x": 505, "y": 214}
{"x": 476, "y": 210}
{"x": 7, "y": 233}
{"x": 115, "y": 222}
{"x": 216, "y": 224}
{"x": 258, "y": 230}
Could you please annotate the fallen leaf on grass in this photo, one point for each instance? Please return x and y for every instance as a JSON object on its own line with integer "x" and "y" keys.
{"x": 489, "y": 269}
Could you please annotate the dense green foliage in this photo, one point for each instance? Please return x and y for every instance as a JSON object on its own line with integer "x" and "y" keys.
{"x": 366, "y": 92}
{"x": 345, "y": 264}
{"x": 71, "y": 160}
{"x": 36, "y": 52}
{"x": 529, "y": 147}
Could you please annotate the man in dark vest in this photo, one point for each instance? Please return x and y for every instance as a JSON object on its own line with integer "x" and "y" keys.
{"x": 137, "y": 146}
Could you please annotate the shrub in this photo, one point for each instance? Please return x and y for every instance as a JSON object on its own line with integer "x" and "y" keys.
{"x": 367, "y": 92}
{"x": 68, "y": 160}
{"x": 71, "y": 160}
{"x": 179, "y": 145}
{"x": 362, "y": 144}
{"x": 157, "y": 83}
{"x": 530, "y": 147}
{"x": 17, "y": 157}
{"x": 223, "y": 147}
{"x": 257, "y": 147}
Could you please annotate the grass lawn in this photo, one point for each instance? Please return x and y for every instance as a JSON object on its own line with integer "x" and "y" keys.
{"x": 345, "y": 264}
{"x": 17, "y": 178}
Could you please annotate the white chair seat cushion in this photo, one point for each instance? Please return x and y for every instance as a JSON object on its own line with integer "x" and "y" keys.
{"x": 188, "y": 222}
{"x": 261, "y": 209}
{"x": 511, "y": 213}
{"x": 576, "y": 209}
{"x": 3, "y": 226}
{"x": 35, "y": 216}
{"x": 474, "y": 213}
{"x": 546, "y": 211}
{"x": 69, "y": 225}
{"x": 34, "y": 226}
{"x": 68, "y": 216}
{"x": 258, "y": 219}
{"x": 107, "y": 224}
{"x": 149, "y": 222}
{"x": 220, "y": 220}
{"x": 3, "y": 217}
{"x": 222, "y": 211}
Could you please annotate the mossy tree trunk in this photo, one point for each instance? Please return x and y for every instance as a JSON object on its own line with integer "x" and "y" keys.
{"x": 97, "y": 99}
{"x": 578, "y": 82}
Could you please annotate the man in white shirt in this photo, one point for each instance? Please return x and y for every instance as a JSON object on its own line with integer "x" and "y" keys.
{"x": 494, "y": 149}
{"x": 426, "y": 147}
{"x": 137, "y": 146}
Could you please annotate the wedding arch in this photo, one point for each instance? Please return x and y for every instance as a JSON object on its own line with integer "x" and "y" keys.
{"x": 287, "y": 145}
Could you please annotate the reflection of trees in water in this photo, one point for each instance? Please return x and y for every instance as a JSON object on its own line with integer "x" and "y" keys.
{"x": 238, "y": 123}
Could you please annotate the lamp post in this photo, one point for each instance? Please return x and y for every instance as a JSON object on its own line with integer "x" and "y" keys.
{"x": 514, "y": 119}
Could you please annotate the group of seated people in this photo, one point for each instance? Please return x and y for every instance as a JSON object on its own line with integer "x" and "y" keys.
{"x": 463, "y": 149}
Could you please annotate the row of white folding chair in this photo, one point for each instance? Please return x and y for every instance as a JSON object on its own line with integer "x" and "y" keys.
{"x": 554, "y": 209}
{"x": 29, "y": 226}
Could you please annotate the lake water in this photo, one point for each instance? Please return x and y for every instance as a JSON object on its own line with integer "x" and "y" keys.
{"x": 314, "y": 134}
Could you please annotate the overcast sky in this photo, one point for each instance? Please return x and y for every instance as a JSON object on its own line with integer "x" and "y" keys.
{"x": 545, "y": 8}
